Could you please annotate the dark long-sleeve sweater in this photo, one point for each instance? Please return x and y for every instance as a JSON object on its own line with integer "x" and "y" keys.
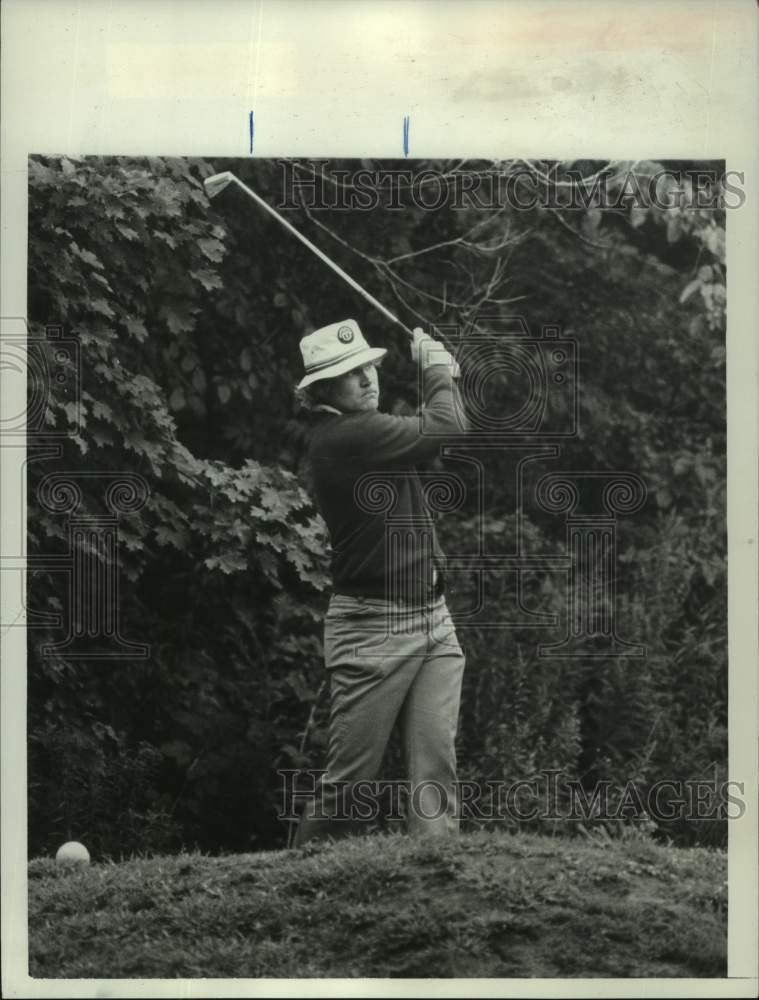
{"x": 369, "y": 493}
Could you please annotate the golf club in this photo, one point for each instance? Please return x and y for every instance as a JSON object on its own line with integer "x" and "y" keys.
{"x": 218, "y": 182}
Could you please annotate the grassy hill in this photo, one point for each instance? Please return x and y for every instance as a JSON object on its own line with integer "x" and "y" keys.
{"x": 494, "y": 904}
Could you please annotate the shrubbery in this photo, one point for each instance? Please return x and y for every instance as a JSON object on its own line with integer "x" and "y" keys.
{"x": 188, "y": 324}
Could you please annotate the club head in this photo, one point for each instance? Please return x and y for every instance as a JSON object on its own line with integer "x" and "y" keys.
{"x": 216, "y": 184}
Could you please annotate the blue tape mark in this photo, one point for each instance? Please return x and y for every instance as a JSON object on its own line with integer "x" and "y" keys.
{"x": 406, "y": 123}
{"x": 251, "y": 129}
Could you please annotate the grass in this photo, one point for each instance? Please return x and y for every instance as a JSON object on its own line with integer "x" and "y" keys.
{"x": 491, "y": 905}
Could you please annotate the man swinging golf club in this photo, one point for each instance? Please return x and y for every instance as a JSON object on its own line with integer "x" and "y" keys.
{"x": 389, "y": 643}
{"x": 390, "y": 647}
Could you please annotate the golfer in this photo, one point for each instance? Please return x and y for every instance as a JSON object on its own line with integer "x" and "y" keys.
{"x": 390, "y": 646}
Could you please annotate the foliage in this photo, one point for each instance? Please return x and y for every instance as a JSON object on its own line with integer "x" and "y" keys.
{"x": 187, "y": 317}
{"x": 125, "y": 251}
{"x": 87, "y": 780}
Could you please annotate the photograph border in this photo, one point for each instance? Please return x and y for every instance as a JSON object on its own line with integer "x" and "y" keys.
{"x": 532, "y": 78}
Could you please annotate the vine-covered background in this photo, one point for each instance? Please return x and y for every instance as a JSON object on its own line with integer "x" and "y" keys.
{"x": 188, "y": 316}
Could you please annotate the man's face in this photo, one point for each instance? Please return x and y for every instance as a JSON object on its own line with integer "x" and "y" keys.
{"x": 357, "y": 390}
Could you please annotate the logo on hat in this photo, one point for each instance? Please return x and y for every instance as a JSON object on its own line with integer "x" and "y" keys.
{"x": 345, "y": 335}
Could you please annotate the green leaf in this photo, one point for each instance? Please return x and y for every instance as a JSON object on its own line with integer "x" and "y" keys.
{"x": 166, "y": 238}
{"x": 127, "y": 232}
{"x": 101, "y": 437}
{"x": 102, "y": 307}
{"x": 102, "y": 411}
{"x": 674, "y": 227}
{"x": 101, "y": 281}
{"x": 177, "y": 400}
{"x": 166, "y": 193}
{"x": 638, "y": 216}
{"x": 296, "y": 681}
{"x": 74, "y": 413}
{"x": 213, "y": 249}
{"x": 227, "y": 563}
{"x": 208, "y": 279}
{"x": 177, "y": 537}
{"x": 136, "y": 328}
{"x": 179, "y": 318}
{"x": 197, "y": 405}
{"x": 132, "y": 542}
{"x": 272, "y": 499}
{"x": 87, "y": 256}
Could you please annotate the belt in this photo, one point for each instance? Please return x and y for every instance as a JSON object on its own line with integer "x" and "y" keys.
{"x": 433, "y": 593}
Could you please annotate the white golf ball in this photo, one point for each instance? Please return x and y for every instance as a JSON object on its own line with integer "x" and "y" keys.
{"x": 73, "y": 853}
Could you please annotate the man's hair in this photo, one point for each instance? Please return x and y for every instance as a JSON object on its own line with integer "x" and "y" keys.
{"x": 320, "y": 391}
{"x": 314, "y": 394}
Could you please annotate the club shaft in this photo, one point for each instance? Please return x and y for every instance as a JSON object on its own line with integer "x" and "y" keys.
{"x": 320, "y": 254}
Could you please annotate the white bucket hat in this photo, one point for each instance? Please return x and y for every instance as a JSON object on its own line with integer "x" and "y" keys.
{"x": 334, "y": 350}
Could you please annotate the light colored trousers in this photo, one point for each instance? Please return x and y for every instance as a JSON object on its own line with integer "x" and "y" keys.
{"x": 390, "y": 662}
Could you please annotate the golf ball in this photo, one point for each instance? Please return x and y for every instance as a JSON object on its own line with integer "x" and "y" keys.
{"x": 73, "y": 853}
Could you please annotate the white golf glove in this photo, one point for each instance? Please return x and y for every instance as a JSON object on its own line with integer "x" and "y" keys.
{"x": 427, "y": 351}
